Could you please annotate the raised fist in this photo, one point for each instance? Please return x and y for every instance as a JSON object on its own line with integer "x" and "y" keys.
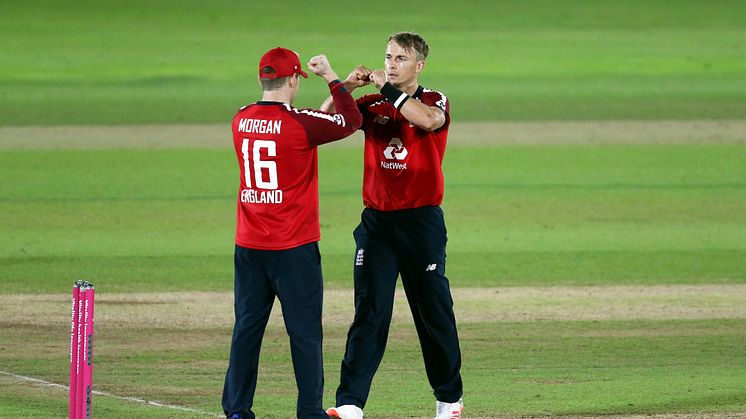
{"x": 378, "y": 77}
{"x": 319, "y": 65}
{"x": 359, "y": 77}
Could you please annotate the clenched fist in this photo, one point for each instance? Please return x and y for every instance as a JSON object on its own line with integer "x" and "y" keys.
{"x": 319, "y": 65}
{"x": 359, "y": 77}
{"x": 378, "y": 77}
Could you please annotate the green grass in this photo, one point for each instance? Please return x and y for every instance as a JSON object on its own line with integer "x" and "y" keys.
{"x": 523, "y": 368}
{"x": 194, "y": 62}
{"x": 516, "y": 216}
{"x": 162, "y": 220}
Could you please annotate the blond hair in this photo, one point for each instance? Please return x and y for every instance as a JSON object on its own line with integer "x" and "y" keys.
{"x": 411, "y": 41}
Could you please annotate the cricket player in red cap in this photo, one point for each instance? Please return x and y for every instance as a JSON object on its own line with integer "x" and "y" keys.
{"x": 277, "y": 231}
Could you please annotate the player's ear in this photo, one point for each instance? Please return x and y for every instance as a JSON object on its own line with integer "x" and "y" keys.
{"x": 420, "y": 66}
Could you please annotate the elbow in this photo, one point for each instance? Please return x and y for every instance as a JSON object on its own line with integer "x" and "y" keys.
{"x": 431, "y": 123}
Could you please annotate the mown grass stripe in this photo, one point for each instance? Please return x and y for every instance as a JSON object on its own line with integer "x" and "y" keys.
{"x": 154, "y": 403}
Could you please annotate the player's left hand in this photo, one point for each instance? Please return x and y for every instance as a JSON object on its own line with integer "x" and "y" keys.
{"x": 319, "y": 65}
{"x": 358, "y": 78}
{"x": 378, "y": 77}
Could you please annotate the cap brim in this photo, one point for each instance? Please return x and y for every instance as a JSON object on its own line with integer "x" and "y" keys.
{"x": 303, "y": 73}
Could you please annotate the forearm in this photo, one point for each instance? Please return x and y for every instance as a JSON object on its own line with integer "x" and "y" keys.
{"x": 324, "y": 128}
{"x": 330, "y": 76}
{"x": 345, "y": 105}
{"x": 426, "y": 117}
{"x": 423, "y": 116}
{"x": 328, "y": 104}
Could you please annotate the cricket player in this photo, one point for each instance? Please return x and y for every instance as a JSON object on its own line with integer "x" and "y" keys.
{"x": 402, "y": 230}
{"x": 277, "y": 231}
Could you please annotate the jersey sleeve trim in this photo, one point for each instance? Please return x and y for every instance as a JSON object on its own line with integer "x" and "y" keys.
{"x": 442, "y": 101}
{"x": 322, "y": 127}
{"x": 338, "y": 119}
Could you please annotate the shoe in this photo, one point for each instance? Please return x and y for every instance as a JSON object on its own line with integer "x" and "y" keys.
{"x": 445, "y": 410}
{"x": 236, "y": 416}
{"x": 347, "y": 411}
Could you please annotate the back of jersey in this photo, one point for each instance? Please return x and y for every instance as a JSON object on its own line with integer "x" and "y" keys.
{"x": 278, "y": 196}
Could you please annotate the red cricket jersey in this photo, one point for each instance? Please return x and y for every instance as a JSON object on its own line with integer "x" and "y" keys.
{"x": 402, "y": 162}
{"x": 278, "y": 198}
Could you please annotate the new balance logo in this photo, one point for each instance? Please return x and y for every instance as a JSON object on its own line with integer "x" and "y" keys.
{"x": 431, "y": 267}
{"x": 359, "y": 257}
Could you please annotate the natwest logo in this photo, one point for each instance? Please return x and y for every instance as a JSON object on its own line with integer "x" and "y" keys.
{"x": 395, "y": 150}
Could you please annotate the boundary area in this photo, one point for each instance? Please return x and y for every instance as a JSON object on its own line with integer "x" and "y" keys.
{"x": 461, "y": 134}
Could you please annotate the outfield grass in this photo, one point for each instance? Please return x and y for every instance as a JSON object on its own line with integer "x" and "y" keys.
{"x": 516, "y": 216}
{"x": 162, "y": 220}
{"x": 567, "y": 372}
{"x": 93, "y": 62}
{"x": 593, "y": 274}
{"x": 559, "y": 367}
{"x": 158, "y": 221}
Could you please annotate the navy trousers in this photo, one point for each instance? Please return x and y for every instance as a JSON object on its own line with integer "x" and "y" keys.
{"x": 294, "y": 277}
{"x": 411, "y": 243}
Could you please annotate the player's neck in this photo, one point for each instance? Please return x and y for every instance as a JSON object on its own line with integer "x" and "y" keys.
{"x": 409, "y": 88}
{"x": 277, "y": 96}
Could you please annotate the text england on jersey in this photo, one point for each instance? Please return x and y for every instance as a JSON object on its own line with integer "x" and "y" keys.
{"x": 253, "y": 196}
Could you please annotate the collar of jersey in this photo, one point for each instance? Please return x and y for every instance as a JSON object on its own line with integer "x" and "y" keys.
{"x": 418, "y": 92}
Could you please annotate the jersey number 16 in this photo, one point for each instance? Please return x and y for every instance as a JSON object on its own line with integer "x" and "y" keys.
{"x": 260, "y": 164}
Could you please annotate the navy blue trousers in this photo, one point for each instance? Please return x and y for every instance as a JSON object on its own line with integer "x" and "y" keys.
{"x": 294, "y": 277}
{"x": 411, "y": 243}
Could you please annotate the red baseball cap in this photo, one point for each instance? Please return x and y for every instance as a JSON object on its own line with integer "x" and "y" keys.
{"x": 284, "y": 61}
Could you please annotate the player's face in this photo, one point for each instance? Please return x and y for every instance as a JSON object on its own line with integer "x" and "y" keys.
{"x": 401, "y": 65}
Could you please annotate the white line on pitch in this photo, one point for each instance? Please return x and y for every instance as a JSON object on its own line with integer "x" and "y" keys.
{"x": 114, "y": 396}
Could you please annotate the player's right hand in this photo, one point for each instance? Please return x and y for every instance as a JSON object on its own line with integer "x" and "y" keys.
{"x": 378, "y": 77}
{"x": 358, "y": 78}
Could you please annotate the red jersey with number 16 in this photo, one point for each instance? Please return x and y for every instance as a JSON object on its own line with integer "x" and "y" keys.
{"x": 278, "y": 198}
{"x": 402, "y": 162}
